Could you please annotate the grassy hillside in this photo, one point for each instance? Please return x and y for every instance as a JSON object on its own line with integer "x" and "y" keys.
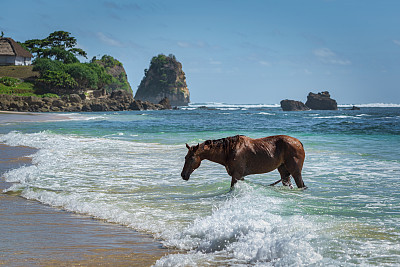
{"x": 20, "y": 72}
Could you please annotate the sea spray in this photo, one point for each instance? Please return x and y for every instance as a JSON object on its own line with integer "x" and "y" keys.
{"x": 249, "y": 228}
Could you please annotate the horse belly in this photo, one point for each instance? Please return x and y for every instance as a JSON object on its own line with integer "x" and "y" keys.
{"x": 257, "y": 166}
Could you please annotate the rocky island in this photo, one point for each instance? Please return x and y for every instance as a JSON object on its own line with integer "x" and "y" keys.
{"x": 293, "y": 105}
{"x": 320, "y": 101}
{"x": 164, "y": 79}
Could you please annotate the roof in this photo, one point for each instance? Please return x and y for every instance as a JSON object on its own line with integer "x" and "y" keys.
{"x": 8, "y": 47}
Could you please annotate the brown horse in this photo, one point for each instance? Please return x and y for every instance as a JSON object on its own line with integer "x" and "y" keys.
{"x": 242, "y": 155}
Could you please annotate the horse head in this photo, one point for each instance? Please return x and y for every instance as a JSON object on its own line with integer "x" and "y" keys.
{"x": 192, "y": 161}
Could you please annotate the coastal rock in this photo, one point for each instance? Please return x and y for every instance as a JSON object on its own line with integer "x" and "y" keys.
{"x": 121, "y": 95}
{"x": 75, "y": 98}
{"x": 164, "y": 78}
{"x": 116, "y": 101}
{"x": 321, "y": 101}
{"x": 293, "y": 105}
{"x": 165, "y": 103}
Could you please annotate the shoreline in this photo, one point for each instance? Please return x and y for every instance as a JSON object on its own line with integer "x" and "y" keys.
{"x": 37, "y": 234}
{"x": 10, "y": 117}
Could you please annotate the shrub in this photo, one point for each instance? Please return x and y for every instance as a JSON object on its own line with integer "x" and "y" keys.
{"x": 8, "y": 81}
{"x": 44, "y": 64}
{"x": 57, "y": 79}
{"x": 83, "y": 74}
{"x": 49, "y": 95}
{"x": 109, "y": 61}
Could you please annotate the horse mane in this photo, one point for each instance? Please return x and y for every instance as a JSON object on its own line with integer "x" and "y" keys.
{"x": 228, "y": 144}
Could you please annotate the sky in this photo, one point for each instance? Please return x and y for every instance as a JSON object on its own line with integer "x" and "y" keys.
{"x": 255, "y": 51}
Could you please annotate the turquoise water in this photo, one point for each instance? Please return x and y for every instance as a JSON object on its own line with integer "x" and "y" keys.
{"x": 124, "y": 167}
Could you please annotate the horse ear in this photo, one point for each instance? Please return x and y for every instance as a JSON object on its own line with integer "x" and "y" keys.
{"x": 196, "y": 147}
{"x": 188, "y": 147}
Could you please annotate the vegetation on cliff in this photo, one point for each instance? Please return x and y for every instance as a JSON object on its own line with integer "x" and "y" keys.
{"x": 164, "y": 78}
{"x": 119, "y": 79}
{"x": 60, "y": 78}
{"x": 58, "y": 70}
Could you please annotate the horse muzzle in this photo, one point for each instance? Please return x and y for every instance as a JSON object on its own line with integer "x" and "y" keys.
{"x": 185, "y": 176}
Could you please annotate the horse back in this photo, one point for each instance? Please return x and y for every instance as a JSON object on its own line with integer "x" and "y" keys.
{"x": 266, "y": 154}
{"x": 284, "y": 145}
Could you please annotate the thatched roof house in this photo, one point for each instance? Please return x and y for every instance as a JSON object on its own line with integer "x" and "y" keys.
{"x": 12, "y": 53}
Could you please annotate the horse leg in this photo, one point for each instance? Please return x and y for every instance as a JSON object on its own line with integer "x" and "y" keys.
{"x": 294, "y": 166}
{"x": 299, "y": 180}
{"x": 285, "y": 176}
{"x": 234, "y": 180}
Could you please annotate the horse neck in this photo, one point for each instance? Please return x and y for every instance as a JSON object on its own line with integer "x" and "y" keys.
{"x": 213, "y": 154}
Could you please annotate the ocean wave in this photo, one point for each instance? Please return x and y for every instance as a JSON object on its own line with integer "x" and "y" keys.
{"x": 370, "y": 105}
{"x": 226, "y": 106}
{"x": 218, "y": 105}
{"x": 247, "y": 228}
{"x": 139, "y": 185}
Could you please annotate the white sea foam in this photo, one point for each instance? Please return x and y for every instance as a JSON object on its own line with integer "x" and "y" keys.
{"x": 249, "y": 229}
{"x": 371, "y": 105}
{"x": 219, "y": 105}
{"x": 334, "y": 117}
{"x": 266, "y": 113}
{"x": 139, "y": 185}
{"x": 135, "y": 187}
{"x": 226, "y": 106}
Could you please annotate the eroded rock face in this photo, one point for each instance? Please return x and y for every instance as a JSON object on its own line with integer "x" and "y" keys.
{"x": 117, "y": 101}
{"x": 321, "y": 101}
{"x": 164, "y": 78}
{"x": 293, "y": 105}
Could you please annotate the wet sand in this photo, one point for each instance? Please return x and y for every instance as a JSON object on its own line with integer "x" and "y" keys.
{"x": 33, "y": 234}
{"x": 13, "y": 116}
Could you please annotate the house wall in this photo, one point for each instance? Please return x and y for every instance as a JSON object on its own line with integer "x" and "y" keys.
{"x": 19, "y": 61}
{"x": 7, "y": 60}
{"x": 13, "y": 60}
{"x": 27, "y": 61}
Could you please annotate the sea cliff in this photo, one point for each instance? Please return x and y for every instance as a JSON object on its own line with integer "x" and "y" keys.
{"x": 164, "y": 78}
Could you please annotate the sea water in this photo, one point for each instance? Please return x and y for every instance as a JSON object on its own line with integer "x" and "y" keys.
{"x": 124, "y": 168}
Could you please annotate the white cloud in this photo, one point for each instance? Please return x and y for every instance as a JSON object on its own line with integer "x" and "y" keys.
{"x": 264, "y": 63}
{"x": 215, "y": 62}
{"x": 198, "y": 44}
{"x": 108, "y": 40}
{"x": 183, "y": 44}
{"x": 397, "y": 42}
{"x": 326, "y": 55}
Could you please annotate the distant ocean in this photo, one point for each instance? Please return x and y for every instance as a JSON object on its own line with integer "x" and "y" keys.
{"x": 124, "y": 167}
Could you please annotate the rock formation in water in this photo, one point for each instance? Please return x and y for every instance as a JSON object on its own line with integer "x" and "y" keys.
{"x": 293, "y": 105}
{"x": 321, "y": 101}
{"x": 164, "y": 78}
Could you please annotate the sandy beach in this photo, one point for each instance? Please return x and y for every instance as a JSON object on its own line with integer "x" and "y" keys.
{"x": 39, "y": 235}
{"x": 13, "y": 116}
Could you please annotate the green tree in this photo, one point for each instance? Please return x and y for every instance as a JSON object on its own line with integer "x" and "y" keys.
{"x": 59, "y": 45}
{"x": 83, "y": 74}
{"x": 44, "y": 64}
{"x": 58, "y": 82}
{"x": 103, "y": 77}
